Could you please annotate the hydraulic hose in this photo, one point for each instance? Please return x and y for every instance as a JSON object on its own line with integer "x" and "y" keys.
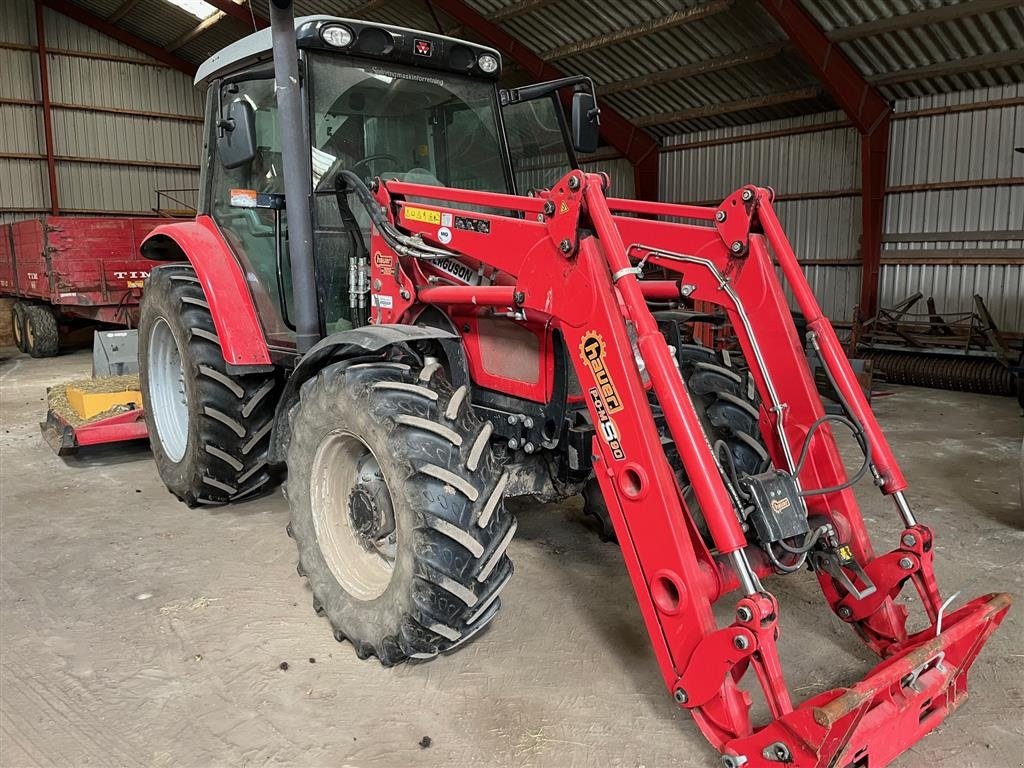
{"x": 404, "y": 245}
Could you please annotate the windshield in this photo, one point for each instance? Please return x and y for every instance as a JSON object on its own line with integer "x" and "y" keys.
{"x": 425, "y": 128}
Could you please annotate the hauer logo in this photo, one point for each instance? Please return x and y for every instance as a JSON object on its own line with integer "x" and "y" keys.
{"x": 606, "y": 426}
{"x": 423, "y": 47}
{"x": 385, "y": 262}
{"x": 592, "y": 350}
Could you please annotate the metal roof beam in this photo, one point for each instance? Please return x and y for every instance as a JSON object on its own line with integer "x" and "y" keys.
{"x": 962, "y": 66}
{"x": 513, "y": 11}
{"x": 359, "y": 10}
{"x": 122, "y": 10}
{"x": 855, "y": 96}
{"x": 197, "y": 30}
{"x": 104, "y": 27}
{"x": 243, "y": 12}
{"x": 920, "y": 19}
{"x": 519, "y": 9}
{"x": 741, "y": 105}
{"x": 677, "y": 19}
{"x": 697, "y": 68}
{"x": 869, "y": 112}
{"x": 635, "y": 144}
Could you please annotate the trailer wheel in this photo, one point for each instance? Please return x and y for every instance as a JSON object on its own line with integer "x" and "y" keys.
{"x": 397, "y": 509}
{"x": 209, "y": 428}
{"x": 727, "y": 404}
{"x": 18, "y": 324}
{"x": 42, "y": 336}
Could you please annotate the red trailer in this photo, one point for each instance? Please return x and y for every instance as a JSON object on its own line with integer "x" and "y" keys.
{"x": 65, "y": 269}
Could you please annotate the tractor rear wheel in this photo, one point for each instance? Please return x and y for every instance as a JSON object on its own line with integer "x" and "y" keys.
{"x": 18, "y": 324}
{"x": 397, "y": 509}
{"x": 41, "y": 333}
{"x": 209, "y": 428}
{"x": 727, "y": 403}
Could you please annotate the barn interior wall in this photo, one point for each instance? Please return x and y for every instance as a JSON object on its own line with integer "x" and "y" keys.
{"x": 951, "y": 171}
{"x": 112, "y": 149}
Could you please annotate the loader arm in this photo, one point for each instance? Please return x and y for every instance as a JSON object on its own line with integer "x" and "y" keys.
{"x": 567, "y": 257}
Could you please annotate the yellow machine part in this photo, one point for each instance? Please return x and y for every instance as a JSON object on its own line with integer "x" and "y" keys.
{"x": 90, "y": 404}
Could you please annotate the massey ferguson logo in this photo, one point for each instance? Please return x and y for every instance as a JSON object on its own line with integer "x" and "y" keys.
{"x": 592, "y": 350}
{"x": 456, "y": 269}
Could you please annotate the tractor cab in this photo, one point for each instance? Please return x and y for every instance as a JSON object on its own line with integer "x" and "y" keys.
{"x": 378, "y": 101}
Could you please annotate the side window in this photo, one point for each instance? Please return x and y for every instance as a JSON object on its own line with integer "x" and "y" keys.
{"x": 536, "y": 143}
{"x": 257, "y": 235}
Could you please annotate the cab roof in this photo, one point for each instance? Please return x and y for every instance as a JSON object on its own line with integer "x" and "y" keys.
{"x": 375, "y": 41}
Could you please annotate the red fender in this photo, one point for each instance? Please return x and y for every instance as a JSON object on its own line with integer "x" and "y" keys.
{"x": 234, "y": 314}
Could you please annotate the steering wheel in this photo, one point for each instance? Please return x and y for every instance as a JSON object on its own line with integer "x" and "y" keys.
{"x": 373, "y": 158}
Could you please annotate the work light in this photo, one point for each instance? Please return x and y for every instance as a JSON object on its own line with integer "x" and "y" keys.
{"x": 336, "y": 35}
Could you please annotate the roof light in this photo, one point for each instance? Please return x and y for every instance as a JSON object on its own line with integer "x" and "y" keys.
{"x": 336, "y": 35}
{"x": 198, "y": 8}
{"x": 488, "y": 64}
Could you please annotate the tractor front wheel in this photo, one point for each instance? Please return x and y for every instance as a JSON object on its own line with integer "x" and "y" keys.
{"x": 396, "y": 509}
{"x": 209, "y": 427}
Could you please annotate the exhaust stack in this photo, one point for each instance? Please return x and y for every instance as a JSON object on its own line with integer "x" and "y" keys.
{"x": 298, "y": 183}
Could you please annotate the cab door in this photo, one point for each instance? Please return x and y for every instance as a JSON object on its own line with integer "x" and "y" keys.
{"x": 257, "y": 235}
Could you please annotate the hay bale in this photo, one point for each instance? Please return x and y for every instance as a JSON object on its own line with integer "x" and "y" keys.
{"x": 57, "y": 397}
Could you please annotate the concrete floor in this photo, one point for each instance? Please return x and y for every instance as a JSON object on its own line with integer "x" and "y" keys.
{"x": 138, "y": 632}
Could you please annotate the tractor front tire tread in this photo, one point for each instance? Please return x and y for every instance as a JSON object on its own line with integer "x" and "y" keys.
{"x": 451, "y": 494}
{"x": 727, "y": 403}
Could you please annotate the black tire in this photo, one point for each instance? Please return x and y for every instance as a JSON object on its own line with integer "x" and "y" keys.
{"x": 18, "y": 324}
{"x": 727, "y": 403}
{"x": 42, "y": 336}
{"x": 445, "y": 486}
{"x": 229, "y": 416}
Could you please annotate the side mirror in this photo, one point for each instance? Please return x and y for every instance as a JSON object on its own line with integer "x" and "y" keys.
{"x": 236, "y": 142}
{"x": 585, "y": 125}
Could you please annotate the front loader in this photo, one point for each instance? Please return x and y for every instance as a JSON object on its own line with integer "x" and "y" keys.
{"x": 370, "y": 305}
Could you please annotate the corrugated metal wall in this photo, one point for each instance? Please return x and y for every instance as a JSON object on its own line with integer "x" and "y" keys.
{"x": 131, "y": 125}
{"x": 956, "y": 147}
{"x": 545, "y": 170}
{"x": 944, "y": 147}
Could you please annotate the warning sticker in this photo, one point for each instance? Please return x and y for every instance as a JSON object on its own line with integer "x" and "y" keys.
{"x": 243, "y": 198}
{"x": 422, "y": 214}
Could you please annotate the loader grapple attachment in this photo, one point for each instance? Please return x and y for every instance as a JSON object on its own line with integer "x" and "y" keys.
{"x": 579, "y": 263}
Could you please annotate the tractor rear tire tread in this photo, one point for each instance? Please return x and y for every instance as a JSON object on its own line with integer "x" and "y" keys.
{"x": 230, "y": 415}
{"x": 453, "y": 527}
{"x": 42, "y": 335}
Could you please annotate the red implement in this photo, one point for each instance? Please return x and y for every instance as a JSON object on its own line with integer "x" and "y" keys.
{"x": 66, "y": 438}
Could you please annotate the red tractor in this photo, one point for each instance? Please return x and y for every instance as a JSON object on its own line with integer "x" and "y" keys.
{"x": 370, "y": 302}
